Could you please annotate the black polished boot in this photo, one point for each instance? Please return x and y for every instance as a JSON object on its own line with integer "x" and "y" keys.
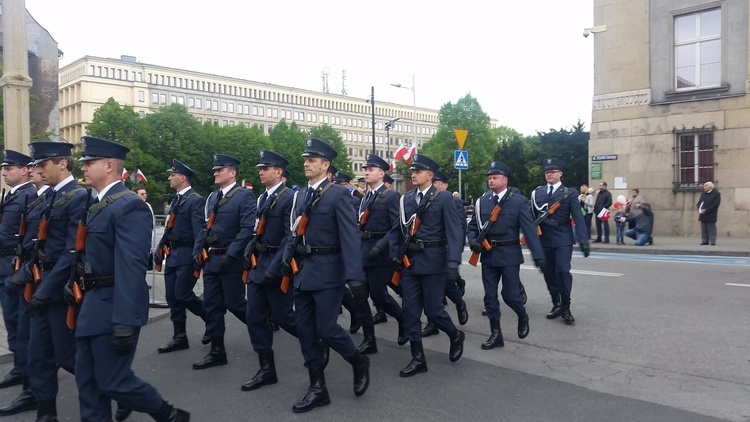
{"x": 522, "y": 291}
{"x": 430, "y": 329}
{"x": 496, "y": 336}
{"x": 463, "y": 313}
{"x": 326, "y": 353}
{"x": 122, "y": 412}
{"x": 47, "y": 411}
{"x": 402, "y": 339}
{"x": 361, "y": 368}
{"x": 555, "y": 311}
{"x": 317, "y": 393}
{"x": 179, "y": 340}
{"x": 24, "y": 402}
{"x": 13, "y": 377}
{"x": 215, "y": 357}
{"x": 418, "y": 362}
{"x": 565, "y": 314}
{"x": 457, "y": 346}
{"x": 266, "y": 375}
{"x": 169, "y": 413}
{"x": 369, "y": 344}
{"x": 523, "y": 325}
{"x": 379, "y": 317}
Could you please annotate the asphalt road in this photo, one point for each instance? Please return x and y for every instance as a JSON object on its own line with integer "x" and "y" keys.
{"x": 655, "y": 340}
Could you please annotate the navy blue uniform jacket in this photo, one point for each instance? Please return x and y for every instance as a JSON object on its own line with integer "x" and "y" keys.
{"x": 383, "y": 215}
{"x": 276, "y": 233}
{"x": 556, "y": 229}
{"x": 12, "y": 209}
{"x": 188, "y": 224}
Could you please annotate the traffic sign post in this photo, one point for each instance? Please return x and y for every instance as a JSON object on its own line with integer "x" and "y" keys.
{"x": 460, "y": 161}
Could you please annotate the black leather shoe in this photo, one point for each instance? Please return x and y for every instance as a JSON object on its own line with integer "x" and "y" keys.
{"x": 354, "y": 325}
{"x": 178, "y": 342}
{"x": 317, "y": 393}
{"x": 523, "y": 326}
{"x": 429, "y": 330}
{"x": 361, "y": 368}
{"x": 24, "y": 402}
{"x": 567, "y": 317}
{"x": 266, "y": 374}
{"x": 496, "y": 336}
{"x": 12, "y": 378}
{"x": 463, "y": 313}
{"x": 379, "y": 317}
{"x": 484, "y": 312}
{"x": 215, "y": 357}
{"x": 369, "y": 345}
{"x": 606, "y": 241}
{"x": 461, "y": 283}
{"x": 122, "y": 413}
{"x": 597, "y": 241}
{"x": 555, "y": 311}
{"x": 169, "y": 413}
{"x": 46, "y": 411}
{"x": 704, "y": 243}
{"x": 650, "y": 240}
{"x": 205, "y": 339}
{"x": 522, "y": 291}
{"x": 418, "y": 364}
{"x": 402, "y": 339}
{"x": 457, "y": 346}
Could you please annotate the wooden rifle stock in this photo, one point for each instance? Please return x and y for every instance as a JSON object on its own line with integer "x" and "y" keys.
{"x": 70, "y": 319}
{"x": 365, "y": 216}
{"x": 21, "y": 234}
{"x": 163, "y": 252}
{"x": 203, "y": 254}
{"x": 474, "y": 258}
{"x": 286, "y": 280}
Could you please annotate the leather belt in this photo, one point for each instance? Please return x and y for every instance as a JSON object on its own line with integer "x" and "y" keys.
{"x": 373, "y": 235}
{"x": 430, "y": 243}
{"x": 46, "y": 266}
{"x": 504, "y": 242}
{"x": 96, "y": 282}
{"x": 555, "y": 223}
{"x": 271, "y": 249}
{"x": 323, "y": 250}
{"x": 181, "y": 243}
{"x": 7, "y": 251}
{"x": 216, "y": 251}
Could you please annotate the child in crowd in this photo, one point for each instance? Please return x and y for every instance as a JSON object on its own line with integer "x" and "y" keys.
{"x": 620, "y": 218}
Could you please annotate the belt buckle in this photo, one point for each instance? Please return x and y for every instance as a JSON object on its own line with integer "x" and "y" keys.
{"x": 82, "y": 284}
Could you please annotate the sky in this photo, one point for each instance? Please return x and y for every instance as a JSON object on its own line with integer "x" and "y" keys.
{"x": 526, "y": 62}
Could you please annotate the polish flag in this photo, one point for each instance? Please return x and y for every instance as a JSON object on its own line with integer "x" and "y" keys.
{"x": 400, "y": 152}
{"x": 125, "y": 174}
{"x": 392, "y": 166}
{"x": 140, "y": 176}
{"x": 410, "y": 153}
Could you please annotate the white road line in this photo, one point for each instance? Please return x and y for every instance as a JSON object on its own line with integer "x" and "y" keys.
{"x": 581, "y": 272}
{"x": 737, "y": 285}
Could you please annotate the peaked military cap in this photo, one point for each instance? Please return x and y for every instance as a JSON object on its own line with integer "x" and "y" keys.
{"x": 286, "y": 173}
{"x": 422, "y": 162}
{"x": 317, "y": 148}
{"x": 221, "y": 161}
{"x": 441, "y": 176}
{"x": 272, "y": 159}
{"x": 333, "y": 170}
{"x": 44, "y": 150}
{"x": 388, "y": 179}
{"x": 180, "y": 168}
{"x": 373, "y": 160}
{"x": 496, "y": 167}
{"x": 552, "y": 164}
{"x": 341, "y": 177}
{"x": 15, "y": 158}
{"x": 98, "y": 148}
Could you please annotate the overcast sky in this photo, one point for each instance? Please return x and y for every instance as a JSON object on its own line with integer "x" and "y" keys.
{"x": 526, "y": 62}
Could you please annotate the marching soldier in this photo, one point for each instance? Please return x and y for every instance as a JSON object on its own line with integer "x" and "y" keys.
{"x": 324, "y": 227}
{"x": 378, "y": 213}
{"x": 233, "y": 210}
{"x": 429, "y": 235}
{"x": 179, "y": 281}
{"x": 264, "y": 296}
{"x": 16, "y": 175}
{"x": 115, "y": 300}
{"x": 15, "y": 286}
{"x": 502, "y": 262}
{"x": 454, "y": 290}
{"x": 557, "y": 236}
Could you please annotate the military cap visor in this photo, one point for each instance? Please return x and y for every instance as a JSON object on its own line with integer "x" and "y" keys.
{"x": 272, "y": 159}
{"x": 221, "y": 161}
{"x": 552, "y": 164}
{"x": 496, "y": 167}
{"x": 14, "y": 158}
{"x": 317, "y": 148}
{"x": 421, "y": 162}
{"x": 181, "y": 168}
{"x": 45, "y": 150}
{"x": 98, "y": 148}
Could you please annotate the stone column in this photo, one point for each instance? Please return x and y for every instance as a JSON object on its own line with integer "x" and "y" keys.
{"x": 15, "y": 81}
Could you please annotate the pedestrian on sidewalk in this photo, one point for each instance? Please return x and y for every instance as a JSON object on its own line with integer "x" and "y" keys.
{"x": 603, "y": 201}
{"x": 708, "y": 208}
{"x": 620, "y": 222}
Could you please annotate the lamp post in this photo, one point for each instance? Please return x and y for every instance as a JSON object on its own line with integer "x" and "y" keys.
{"x": 388, "y": 126}
{"x": 372, "y": 104}
{"x": 414, "y": 101}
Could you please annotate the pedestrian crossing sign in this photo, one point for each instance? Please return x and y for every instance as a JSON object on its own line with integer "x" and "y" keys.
{"x": 460, "y": 160}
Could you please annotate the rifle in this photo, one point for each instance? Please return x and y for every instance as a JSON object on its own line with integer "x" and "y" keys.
{"x": 80, "y": 247}
{"x": 203, "y": 252}
{"x": 162, "y": 250}
{"x": 2, "y": 205}
{"x": 396, "y": 278}
{"x": 482, "y": 238}
{"x": 21, "y": 234}
{"x": 251, "y": 247}
{"x": 41, "y": 237}
{"x": 299, "y": 231}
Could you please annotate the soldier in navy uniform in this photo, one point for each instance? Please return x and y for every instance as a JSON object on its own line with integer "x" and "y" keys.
{"x": 435, "y": 254}
{"x": 16, "y": 175}
{"x": 15, "y": 286}
{"x": 324, "y": 271}
{"x": 179, "y": 280}
{"x": 344, "y": 180}
{"x": 503, "y": 262}
{"x": 115, "y": 301}
{"x": 380, "y": 206}
{"x": 347, "y": 302}
{"x": 453, "y": 290}
{"x": 557, "y": 236}
{"x": 264, "y": 296}
{"x": 223, "y": 289}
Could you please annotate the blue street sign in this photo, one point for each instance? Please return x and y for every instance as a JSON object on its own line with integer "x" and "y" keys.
{"x": 460, "y": 160}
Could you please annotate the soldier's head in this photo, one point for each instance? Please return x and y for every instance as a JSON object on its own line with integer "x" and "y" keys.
{"x": 15, "y": 170}
{"x": 422, "y": 171}
{"x": 318, "y": 156}
{"x": 388, "y": 180}
{"x": 271, "y": 168}
{"x": 180, "y": 175}
{"x": 375, "y": 168}
{"x": 102, "y": 161}
{"x": 440, "y": 180}
{"x": 552, "y": 170}
{"x": 497, "y": 176}
{"x": 53, "y": 160}
{"x": 34, "y": 176}
{"x": 226, "y": 169}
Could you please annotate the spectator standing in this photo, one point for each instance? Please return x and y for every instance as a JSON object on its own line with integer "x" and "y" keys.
{"x": 603, "y": 201}
{"x": 620, "y": 219}
{"x": 708, "y": 207}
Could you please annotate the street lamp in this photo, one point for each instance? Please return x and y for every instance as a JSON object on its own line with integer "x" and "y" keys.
{"x": 414, "y": 100}
{"x": 388, "y": 126}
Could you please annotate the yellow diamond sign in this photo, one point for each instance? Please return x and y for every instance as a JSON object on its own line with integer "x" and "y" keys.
{"x": 461, "y": 137}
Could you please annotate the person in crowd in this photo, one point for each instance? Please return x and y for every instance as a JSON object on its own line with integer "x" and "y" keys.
{"x": 708, "y": 209}
{"x": 603, "y": 202}
{"x": 644, "y": 225}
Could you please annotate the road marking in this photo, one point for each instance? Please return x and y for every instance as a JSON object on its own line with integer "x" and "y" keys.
{"x": 737, "y": 285}
{"x": 581, "y": 272}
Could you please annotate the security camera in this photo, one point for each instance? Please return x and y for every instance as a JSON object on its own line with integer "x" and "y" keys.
{"x": 586, "y": 33}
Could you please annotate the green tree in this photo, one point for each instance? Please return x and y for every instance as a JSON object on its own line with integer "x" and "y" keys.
{"x": 330, "y": 135}
{"x": 289, "y": 141}
{"x": 572, "y": 147}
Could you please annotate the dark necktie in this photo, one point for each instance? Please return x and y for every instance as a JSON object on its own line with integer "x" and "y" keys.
{"x": 368, "y": 197}
{"x": 420, "y": 195}
{"x": 550, "y": 190}
{"x": 309, "y": 195}
{"x": 262, "y": 200}
{"x": 219, "y": 195}
{"x": 175, "y": 201}
{"x": 497, "y": 199}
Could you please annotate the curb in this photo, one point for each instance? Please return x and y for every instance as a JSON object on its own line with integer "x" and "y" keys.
{"x": 651, "y": 250}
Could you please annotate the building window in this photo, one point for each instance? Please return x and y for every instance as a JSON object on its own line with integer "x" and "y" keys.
{"x": 174, "y": 99}
{"x": 181, "y": 100}
{"x": 198, "y": 103}
{"x": 155, "y": 98}
{"x": 231, "y": 108}
{"x": 697, "y": 45}
{"x": 224, "y": 106}
{"x": 141, "y": 96}
{"x": 191, "y": 102}
{"x": 695, "y": 160}
{"x": 163, "y": 98}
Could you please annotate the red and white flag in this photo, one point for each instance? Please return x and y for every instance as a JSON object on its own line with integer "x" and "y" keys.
{"x": 140, "y": 176}
{"x": 410, "y": 153}
{"x": 392, "y": 166}
{"x": 125, "y": 174}
{"x": 400, "y": 152}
